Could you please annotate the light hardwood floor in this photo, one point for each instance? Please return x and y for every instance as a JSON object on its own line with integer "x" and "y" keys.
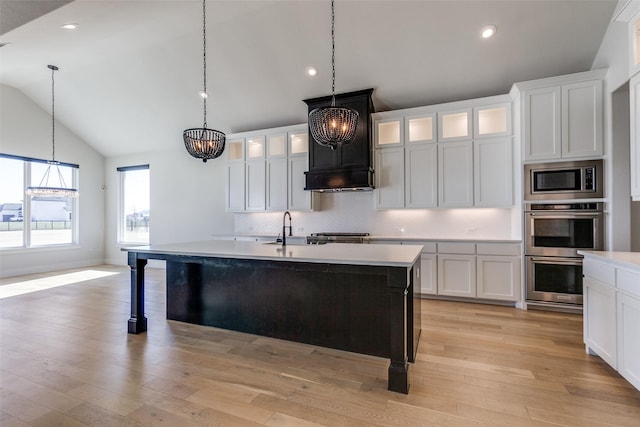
{"x": 66, "y": 360}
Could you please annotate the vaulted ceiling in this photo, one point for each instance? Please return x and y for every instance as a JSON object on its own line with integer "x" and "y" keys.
{"x": 131, "y": 72}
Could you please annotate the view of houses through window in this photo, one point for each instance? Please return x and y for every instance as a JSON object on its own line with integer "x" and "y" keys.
{"x": 33, "y": 221}
{"x": 134, "y": 213}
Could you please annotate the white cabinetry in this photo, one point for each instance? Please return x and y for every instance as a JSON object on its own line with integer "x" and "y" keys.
{"x": 563, "y": 117}
{"x": 428, "y": 269}
{"x": 421, "y": 176}
{"x": 629, "y": 338}
{"x": 600, "y": 319}
{"x": 255, "y": 174}
{"x": 493, "y": 172}
{"x": 466, "y": 269}
{"x": 634, "y": 137}
{"x": 450, "y": 152}
{"x": 235, "y": 175}
{"x": 498, "y": 271}
{"x": 265, "y": 170}
{"x": 455, "y": 174}
{"x": 389, "y": 167}
{"x": 612, "y": 312}
{"x": 457, "y": 269}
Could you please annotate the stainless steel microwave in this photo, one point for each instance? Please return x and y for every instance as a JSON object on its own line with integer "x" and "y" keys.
{"x": 564, "y": 180}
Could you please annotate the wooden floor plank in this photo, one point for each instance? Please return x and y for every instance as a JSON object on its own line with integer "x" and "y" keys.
{"x": 66, "y": 359}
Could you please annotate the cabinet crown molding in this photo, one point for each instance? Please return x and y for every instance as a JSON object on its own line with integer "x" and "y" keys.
{"x": 559, "y": 80}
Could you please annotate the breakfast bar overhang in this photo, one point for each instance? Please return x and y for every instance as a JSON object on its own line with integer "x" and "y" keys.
{"x": 352, "y": 297}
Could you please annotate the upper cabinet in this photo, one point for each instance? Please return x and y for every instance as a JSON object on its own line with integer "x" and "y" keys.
{"x": 492, "y": 120}
{"x": 450, "y": 155}
{"x": 454, "y": 125}
{"x": 563, "y": 120}
{"x": 265, "y": 170}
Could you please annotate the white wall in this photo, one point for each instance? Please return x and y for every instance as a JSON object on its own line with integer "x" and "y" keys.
{"x": 25, "y": 130}
{"x": 614, "y": 54}
{"x": 187, "y": 198}
{"x": 354, "y": 212}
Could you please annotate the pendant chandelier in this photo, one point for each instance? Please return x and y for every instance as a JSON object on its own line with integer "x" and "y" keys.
{"x": 203, "y": 143}
{"x": 45, "y": 189}
{"x": 333, "y": 126}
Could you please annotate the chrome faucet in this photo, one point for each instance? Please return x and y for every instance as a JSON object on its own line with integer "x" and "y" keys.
{"x": 284, "y": 234}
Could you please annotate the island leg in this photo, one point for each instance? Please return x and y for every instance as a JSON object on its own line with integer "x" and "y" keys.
{"x": 399, "y": 367}
{"x": 137, "y": 321}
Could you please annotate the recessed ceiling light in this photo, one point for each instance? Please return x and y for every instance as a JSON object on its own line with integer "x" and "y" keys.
{"x": 488, "y": 31}
{"x": 70, "y": 26}
{"x": 312, "y": 71}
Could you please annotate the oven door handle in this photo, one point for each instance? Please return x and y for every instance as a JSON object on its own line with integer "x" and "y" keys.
{"x": 557, "y": 260}
{"x": 557, "y": 215}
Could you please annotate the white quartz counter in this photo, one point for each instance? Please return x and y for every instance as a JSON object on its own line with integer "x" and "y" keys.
{"x": 331, "y": 253}
{"x": 623, "y": 259}
{"x": 372, "y": 238}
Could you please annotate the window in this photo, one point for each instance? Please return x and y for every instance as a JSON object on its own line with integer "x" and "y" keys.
{"x": 133, "y": 213}
{"x": 34, "y": 221}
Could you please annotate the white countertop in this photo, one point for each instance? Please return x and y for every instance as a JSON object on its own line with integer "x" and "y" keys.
{"x": 623, "y": 259}
{"x": 377, "y": 238}
{"x": 331, "y": 253}
{"x": 437, "y": 239}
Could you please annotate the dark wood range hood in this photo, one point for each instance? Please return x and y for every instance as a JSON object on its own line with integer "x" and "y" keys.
{"x": 348, "y": 167}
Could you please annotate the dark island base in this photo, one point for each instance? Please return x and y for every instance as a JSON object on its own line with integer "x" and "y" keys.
{"x": 363, "y": 309}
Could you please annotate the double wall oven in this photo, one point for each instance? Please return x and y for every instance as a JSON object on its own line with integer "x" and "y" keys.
{"x": 553, "y": 235}
{"x": 556, "y": 229}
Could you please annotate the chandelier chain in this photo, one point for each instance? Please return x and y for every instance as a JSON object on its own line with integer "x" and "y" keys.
{"x": 53, "y": 117}
{"x": 333, "y": 56}
{"x": 204, "y": 59}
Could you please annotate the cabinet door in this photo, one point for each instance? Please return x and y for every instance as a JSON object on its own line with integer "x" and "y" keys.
{"x": 457, "y": 275}
{"x": 634, "y": 137}
{"x": 629, "y": 339}
{"x": 421, "y": 176}
{"x": 582, "y": 119}
{"x": 299, "y": 199}
{"x": 493, "y": 172}
{"x": 255, "y": 185}
{"x": 419, "y": 129}
{"x": 600, "y": 319}
{"x": 455, "y": 174}
{"x": 235, "y": 187}
{"x": 388, "y": 132}
{"x": 492, "y": 120}
{"x": 499, "y": 277}
{"x": 428, "y": 269}
{"x": 389, "y": 178}
{"x": 276, "y": 197}
{"x": 542, "y": 124}
{"x": 455, "y": 125}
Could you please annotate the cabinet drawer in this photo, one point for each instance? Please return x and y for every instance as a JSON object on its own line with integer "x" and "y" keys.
{"x": 428, "y": 247}
{"x": 599, "y": 271}
{"x": 456, "y": 248}
{"x": 499, "y": 249}
{"x": 628, "y": 281}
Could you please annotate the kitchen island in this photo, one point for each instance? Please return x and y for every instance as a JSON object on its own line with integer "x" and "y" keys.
{"x": 352, "y": 297}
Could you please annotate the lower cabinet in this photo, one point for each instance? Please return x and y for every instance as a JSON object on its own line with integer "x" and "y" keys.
{"x": 629, "y": 338}
{"x": 457, "y": 275}
{"x": 612, "y": 315}
{"x": 429, "y": 270}
{"x": 499, "y": 277}
{"x": 599, "y": 319}
{"x": 470, "y": 270}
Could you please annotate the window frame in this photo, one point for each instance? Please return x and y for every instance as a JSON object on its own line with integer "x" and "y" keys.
{"x": 27, "y": 205}
{"x": 121, "y": 214}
